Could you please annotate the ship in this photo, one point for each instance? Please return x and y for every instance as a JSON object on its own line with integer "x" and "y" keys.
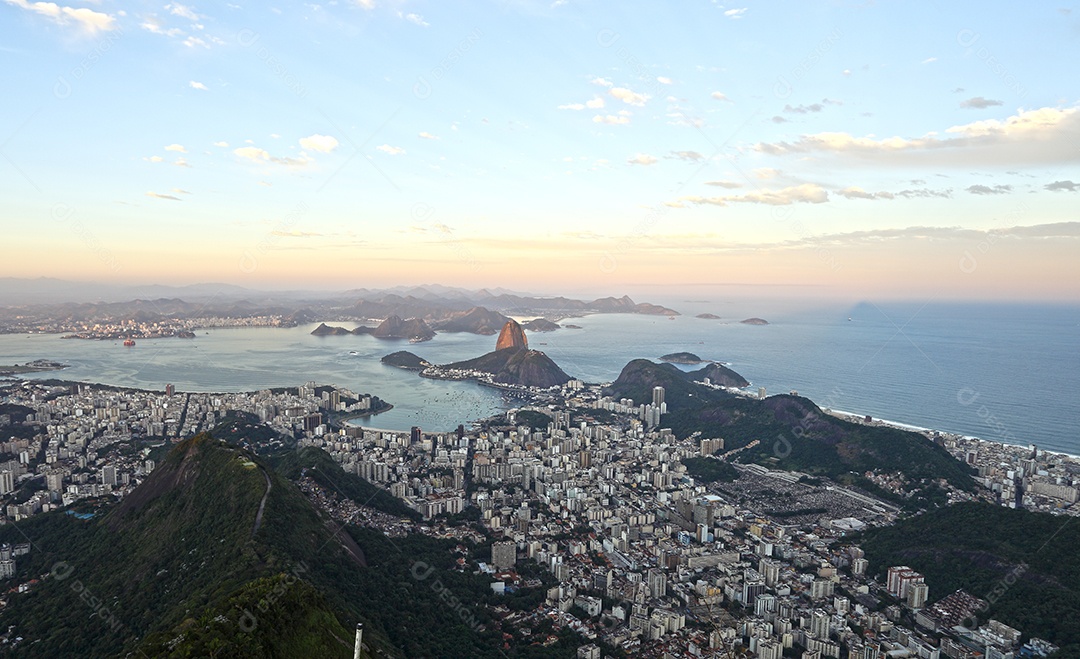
{"x": 129, "y": 342}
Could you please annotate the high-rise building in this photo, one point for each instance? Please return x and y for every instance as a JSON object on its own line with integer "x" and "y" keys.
{"x": 917, "y": 594}
{"x": 415, "y": 435}
{"x": 169, "y": 390}
{"x": 54, "y": 481}
{"x": 657, "y": 583}
{"x": 7, "y": 482}
{"x": 504, "y": 555}
{"x": 657, "y": 396}
{"x": 108, "y": 475}
{"x": 819, "y": 624}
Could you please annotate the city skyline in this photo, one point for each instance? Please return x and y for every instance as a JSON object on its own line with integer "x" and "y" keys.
{"x": 546, "y": 147}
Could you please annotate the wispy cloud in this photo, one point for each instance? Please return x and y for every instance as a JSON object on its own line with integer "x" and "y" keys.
{"x": 86, "y": 20}
{"x": 1046, "y": 135}
{"x": 392, "y": 150}
{"x": 158, "y": 195}
{"x": 979, "y": 103}
{"x": 643, "y": 159}
{"x": 807, "y": 193}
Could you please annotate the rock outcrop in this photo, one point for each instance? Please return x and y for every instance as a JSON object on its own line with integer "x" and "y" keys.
{"x": 511, "y": 336}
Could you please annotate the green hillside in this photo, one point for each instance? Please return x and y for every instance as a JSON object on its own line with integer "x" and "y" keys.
{"x": 1025, "y": 562}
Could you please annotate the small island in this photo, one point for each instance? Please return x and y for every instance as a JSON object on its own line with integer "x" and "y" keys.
{"x": 708, "y": 316}
{"x": 754, "y": 321}
{"x": 36, "y": 366}
{"x": 571, "y": 326}
{"x": 406, "y": 360}
{"x": 540, "y": 325}
{"x": 682, "y": 358}
{"x": 327, "y": 330}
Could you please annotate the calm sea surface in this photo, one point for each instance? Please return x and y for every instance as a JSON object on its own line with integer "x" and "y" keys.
{"x": 1006, "y": 373}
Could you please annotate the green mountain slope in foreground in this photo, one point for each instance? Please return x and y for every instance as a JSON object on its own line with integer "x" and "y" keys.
{"x": 186, "y": 566}
{"x": 1024, "y": 564}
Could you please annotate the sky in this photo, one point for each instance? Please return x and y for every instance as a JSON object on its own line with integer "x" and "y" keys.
{"x": 833, "y": 149}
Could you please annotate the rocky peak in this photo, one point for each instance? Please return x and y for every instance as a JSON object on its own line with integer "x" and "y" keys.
{"x": 512, "y": 336}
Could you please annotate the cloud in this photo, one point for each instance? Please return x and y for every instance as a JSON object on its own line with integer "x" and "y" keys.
{"x": 1046, "y": 135}
{"x": 602, "y": 82}
{"x": 719, "y": 96}
{"x": 252, "y": 153}
{"x": 730, "y": 185}
{"x": 778, "y": 120}
{"x": 320, "y": 143}
{"x": 979, "y": 103}
{"x": 692, "y": 156}
{"x": 986, "y": 189}
{"x": 595, "y": 104}
{"x": 924, "y": 193}
{"x": 158, "y": 195}
{"x": 256, "y": 154}
{"x": 663, "y": 80}
{"x": 392, "y": 150}
{"x": 854, "y": 192}
{"x": 179, "y": 148}
{"x": 181, "y": 162}
{"x": 154, "y": 159}
{"x": 198, "y": 85}
{"x": 153, "y": 25}
{"x": 1062, "y": 186}
{"x": 611, "y": 119}
{"x": 295, "y": 234}
{"x": 629, "y": 97}
{"x": 416, "y": 19}
{"x": 180, "y": 191}
{"x": 89, "y": 21}
{"x": 929, "y": 60}
{"x": 427, "y": 136}
{"x": 177, "y": 9}
{"x": 807, "y": 193}
{"x": 224, "y": 144}
{"x": 804, "y": 109}
{"x": 642, "y": 159}
{"x": 735, "y": 14}
{"x": 571, "y": 106}
{"x": 366, "y": 4}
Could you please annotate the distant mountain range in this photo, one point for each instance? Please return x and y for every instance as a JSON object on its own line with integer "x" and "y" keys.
{"x": 38, "y": 302}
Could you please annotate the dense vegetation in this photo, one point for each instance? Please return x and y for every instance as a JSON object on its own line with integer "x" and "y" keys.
{"x": 710, "y": 470}
{"x": 179, "y": 568}
{"x": 1025, "y": 562}
{"x": 533, "y": 419}
{"x": 321, "y": 467}
{"x": 794, "y": 434}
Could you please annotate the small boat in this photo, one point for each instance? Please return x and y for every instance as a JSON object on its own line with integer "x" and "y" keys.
{"x": 353, "y": 352}
{"x": 129, "y": 342}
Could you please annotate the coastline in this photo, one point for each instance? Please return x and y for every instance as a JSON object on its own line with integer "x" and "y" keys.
{"x": 859, "y": 418}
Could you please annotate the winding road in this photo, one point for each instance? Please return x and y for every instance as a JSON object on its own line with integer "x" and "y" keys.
{"x": 262, "y": 504}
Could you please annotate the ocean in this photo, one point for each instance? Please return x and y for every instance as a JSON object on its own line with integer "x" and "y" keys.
{"x": 1007, "y": 373}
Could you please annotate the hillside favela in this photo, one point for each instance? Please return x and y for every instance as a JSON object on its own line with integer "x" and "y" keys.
{"x": 534, "y": 328}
